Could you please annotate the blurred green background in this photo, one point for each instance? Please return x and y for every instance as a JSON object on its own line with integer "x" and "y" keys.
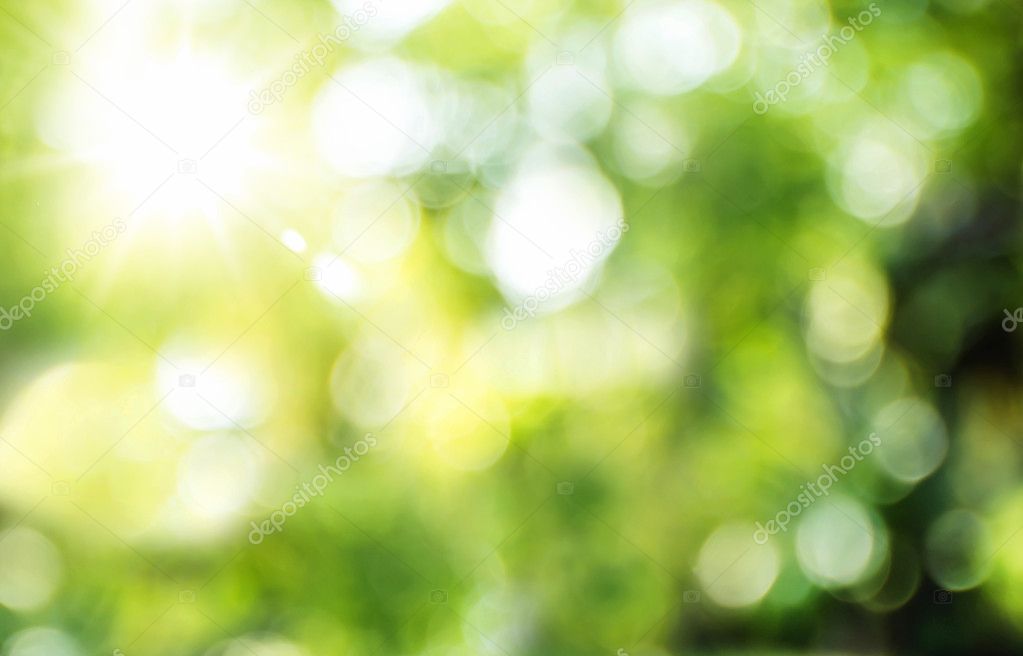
{"x": 562, "y": 310}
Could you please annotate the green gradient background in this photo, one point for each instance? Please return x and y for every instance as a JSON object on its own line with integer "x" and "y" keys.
{"x": 411, "y": 553}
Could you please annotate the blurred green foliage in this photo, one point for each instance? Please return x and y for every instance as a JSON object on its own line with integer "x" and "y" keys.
{"x": 588, "y": 482}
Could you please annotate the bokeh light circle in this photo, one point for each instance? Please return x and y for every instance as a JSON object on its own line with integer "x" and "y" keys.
{"x": 913, "y": 439}
{"x": 375, "y": 222}
{"x": 668, "y": 48}
{"x": 375, "y": 118}
{"x": 41, "y": 641}
{"x": 836, "y": 541}
{"x": 30, "y": 569}
{"x": 558, "y": 212}
{"x": 217, "y": 476}
{"x": 959, "y": 550}
{"x": 734, "y": 570}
